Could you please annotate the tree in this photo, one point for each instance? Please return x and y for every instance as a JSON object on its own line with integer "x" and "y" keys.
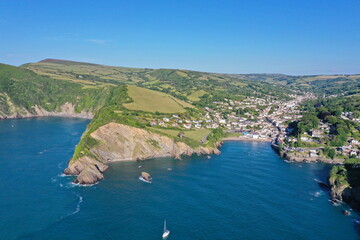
{"x": 329, "y": 152}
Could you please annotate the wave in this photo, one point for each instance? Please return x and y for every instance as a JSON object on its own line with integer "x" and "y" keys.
{"x": 357, "y": 221}
{"x": 316, "y": 194}
{"x": 82, "y": 185}
{"x": 43, "y": 151}
{"x": 60, "y": 165}
{"x": 77, "y": 208}
{"x": 334, "y": 203}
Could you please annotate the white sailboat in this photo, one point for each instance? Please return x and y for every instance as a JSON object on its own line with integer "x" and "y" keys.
{"x": 166, "y": 232}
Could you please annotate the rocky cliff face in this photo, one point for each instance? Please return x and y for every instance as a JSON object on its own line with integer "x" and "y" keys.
{"x": 66, "y": 110}
{"x": 118, "y": 142}
{"x": 345, "y": 185}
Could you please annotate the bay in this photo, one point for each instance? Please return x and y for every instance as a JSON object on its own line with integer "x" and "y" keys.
{"x": 247, "y": 192}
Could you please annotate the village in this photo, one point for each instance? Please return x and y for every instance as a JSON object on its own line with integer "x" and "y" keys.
{"x": 259, "y": 119}
{"x": 314, "y": 146}
{"x": 255, "y": 119}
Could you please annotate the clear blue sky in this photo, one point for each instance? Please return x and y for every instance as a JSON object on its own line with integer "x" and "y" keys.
{"x": 293, "y": 37}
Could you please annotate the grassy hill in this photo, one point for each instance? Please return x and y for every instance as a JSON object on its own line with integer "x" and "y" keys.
{"x": 152, "y": 101}
{"x": 182, "y": 84}
{"x": 322, "y": 84}
{"x": 23, "y": 89}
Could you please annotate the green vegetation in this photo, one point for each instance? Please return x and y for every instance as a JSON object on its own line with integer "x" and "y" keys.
{"x": 329, "y": 111}
{"x": 321, "y": 84}
{"x": 329, "y": 152}
{"x": 26, "y": 89}
{"x": 215, "y": 136}
{"x": 151, "y": 101}
{"x": 185, "y": 85}
{"x": 195, "y": 96}
{"x": 196, "y": 135}
{"x": 338, "y": 176}
{"x": 352, "y": 161}
{"x": 307, "y": 122}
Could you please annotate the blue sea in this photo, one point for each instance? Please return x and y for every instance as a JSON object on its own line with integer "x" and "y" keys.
{"x": 247, "y": 192}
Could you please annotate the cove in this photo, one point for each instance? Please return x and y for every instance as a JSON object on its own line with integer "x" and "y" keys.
{"x": 247, "y": 192}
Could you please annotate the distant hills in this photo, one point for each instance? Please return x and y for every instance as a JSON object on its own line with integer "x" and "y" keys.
{"x": 190, "y": 85}
{"x": 51, "y": 83}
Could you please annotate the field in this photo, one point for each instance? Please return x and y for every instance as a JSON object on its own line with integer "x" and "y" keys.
{"x": 195, "y": 96}
{"x": 195, "y": 135}
{"x": 152, "y": 101}
{"x": 84, "y": 73}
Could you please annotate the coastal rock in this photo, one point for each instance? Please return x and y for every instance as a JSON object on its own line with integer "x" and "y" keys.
{"x": 345, "y": 184}
{"x": 90, "y": 175}
{"x": 119, "y": 142}
{"x": 304, "y": 157}
{"x": 76, "y": 167}
{"x": 66, "y": 110}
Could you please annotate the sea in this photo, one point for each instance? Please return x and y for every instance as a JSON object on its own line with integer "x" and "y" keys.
{"x": 247, "y": 192}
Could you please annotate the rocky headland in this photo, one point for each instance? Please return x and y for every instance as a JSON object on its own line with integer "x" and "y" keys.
{"x": 345, "y": 184}
{"x": 119, "y": 142}
{"x": 66, "y": 110}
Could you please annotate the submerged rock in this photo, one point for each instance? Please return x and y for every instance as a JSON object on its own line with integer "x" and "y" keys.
{"x": 346, "y": 212}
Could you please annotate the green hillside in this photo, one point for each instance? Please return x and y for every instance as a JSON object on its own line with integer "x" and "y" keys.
{"x": 182, "y": 84}
{"x": 152, "y": 101}
{"x": 24, "y": 89}
{"x": 321, "y": 84}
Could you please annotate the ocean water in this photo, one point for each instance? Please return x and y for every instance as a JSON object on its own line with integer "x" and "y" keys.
{"x": 247, "y": 192}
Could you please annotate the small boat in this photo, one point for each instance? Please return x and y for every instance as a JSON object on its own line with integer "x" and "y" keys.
{"x": 166, "y": 232}
{"x": 145, "y": 177}
{"x": 169, "y": 169}
{"x": 208, "y": 157}
{"x": 139, "y": 166}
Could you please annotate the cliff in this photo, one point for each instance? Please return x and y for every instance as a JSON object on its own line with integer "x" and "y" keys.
{"x": 66, "y": 110}
{"x": 345, "y": 184}
{"x": 119, "y": 142}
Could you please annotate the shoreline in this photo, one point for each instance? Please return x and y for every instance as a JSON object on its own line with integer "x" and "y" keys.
{"x": 246, "y": 139}
{"x": 50, "y": 115}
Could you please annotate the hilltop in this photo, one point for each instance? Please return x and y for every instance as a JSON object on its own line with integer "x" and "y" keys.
{"x": 182, "y": 84}
{"x": 193, "y": 85}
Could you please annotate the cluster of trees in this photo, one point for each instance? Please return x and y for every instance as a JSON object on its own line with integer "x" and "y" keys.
{"x": 307, "y": 122}
{"x": 329, "y": 110}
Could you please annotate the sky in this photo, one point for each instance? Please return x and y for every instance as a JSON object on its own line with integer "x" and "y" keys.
{"x": 228, "y": 36}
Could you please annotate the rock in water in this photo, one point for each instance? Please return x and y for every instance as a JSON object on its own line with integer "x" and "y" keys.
{"x": 346, "y": 212}
{"x": 119, "y": 142}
